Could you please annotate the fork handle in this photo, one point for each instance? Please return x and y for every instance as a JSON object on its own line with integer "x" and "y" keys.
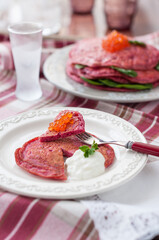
{"x": 145, "y": 148}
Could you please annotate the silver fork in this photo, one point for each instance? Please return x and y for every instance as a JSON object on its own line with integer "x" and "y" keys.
{"x": 146, "y": 148}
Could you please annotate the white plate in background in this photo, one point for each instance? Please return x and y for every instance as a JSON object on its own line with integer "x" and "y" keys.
{"x": 54, "y": 71}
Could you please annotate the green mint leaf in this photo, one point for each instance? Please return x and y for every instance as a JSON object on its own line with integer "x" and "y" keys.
{"x": 86, "y": 154}
{"x": 84, "y": 148}
{"x": 94, "y": 145}
{"x": 128, "y": 72}
{"x": 134, "y": 42}
{"x": 89, "y": 151}
{"x": 79, "y": 66}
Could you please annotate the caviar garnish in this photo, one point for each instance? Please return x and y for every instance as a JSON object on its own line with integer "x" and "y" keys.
{"x": 115, "y": 42}
{"x": 61, "y": 124}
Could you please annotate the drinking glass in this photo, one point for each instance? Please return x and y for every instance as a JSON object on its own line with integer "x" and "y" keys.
{"x": 82, "y": 6}
{"x": 120, "y": 13}
{"x": 26, "y": 43}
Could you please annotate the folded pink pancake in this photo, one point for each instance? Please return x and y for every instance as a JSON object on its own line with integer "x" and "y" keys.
{"x": 147, "y": 76}
{"x": 46, "y": 159}
{"x": 78, "y": 126}
{"x": 40, "y": 159}
{"x": 78, "y": 79}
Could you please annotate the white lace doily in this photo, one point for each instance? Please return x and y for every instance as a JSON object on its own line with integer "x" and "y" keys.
{"x": 122, "y": 222}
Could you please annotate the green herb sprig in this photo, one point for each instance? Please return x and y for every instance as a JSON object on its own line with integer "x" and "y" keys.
{"x": 89, "y": 151}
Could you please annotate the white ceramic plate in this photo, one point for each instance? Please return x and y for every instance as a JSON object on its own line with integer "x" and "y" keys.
{"x": 54, "y": 71}
{"x": 19, "y": 129}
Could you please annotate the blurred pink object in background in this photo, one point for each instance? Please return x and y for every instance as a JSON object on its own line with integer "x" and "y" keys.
{"x": 120, "y": 13}
{"x": 82, "y": 6}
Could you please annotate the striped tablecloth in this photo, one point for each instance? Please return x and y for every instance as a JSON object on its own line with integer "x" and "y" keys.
{"x": 129, "y": 212}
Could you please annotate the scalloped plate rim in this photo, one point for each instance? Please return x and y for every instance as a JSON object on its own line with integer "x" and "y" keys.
{"x": 12, "y": 183}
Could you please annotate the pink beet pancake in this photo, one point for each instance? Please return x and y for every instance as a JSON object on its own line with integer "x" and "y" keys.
{"x": 97, "y": 63}
{"x": 40, "y": 159}
{"x": 46, "y": 159}
{"x": 78, "y": 126}
{"x": 146, "y": 76}
{"x": 89, "y": 52}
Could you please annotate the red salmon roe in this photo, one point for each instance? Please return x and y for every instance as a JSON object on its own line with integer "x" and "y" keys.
{"x": 61, "y": 124}
{"x": 115, "y": 42}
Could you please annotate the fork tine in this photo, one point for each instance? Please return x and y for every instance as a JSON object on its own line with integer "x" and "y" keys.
{"x": 79, "y": 136}
{"x": 87, "y": 138}
{"x": 88, "y": 135}
{"x": 82, "y": 136}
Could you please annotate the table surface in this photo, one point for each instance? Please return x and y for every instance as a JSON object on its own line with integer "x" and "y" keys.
{"x": 73, "y": 222}
{"x": 75, "y": 26}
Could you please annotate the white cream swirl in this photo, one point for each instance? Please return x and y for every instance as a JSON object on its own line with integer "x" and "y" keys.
{"x": 81, "y": 168}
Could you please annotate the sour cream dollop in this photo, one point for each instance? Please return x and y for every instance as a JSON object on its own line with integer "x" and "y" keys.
{"x": 81, "y": 168}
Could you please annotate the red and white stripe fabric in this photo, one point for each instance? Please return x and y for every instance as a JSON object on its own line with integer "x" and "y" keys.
{"x": 38, "y": 219}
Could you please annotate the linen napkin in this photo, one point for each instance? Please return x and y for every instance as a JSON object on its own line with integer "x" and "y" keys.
{"x": 6, "y": 59}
